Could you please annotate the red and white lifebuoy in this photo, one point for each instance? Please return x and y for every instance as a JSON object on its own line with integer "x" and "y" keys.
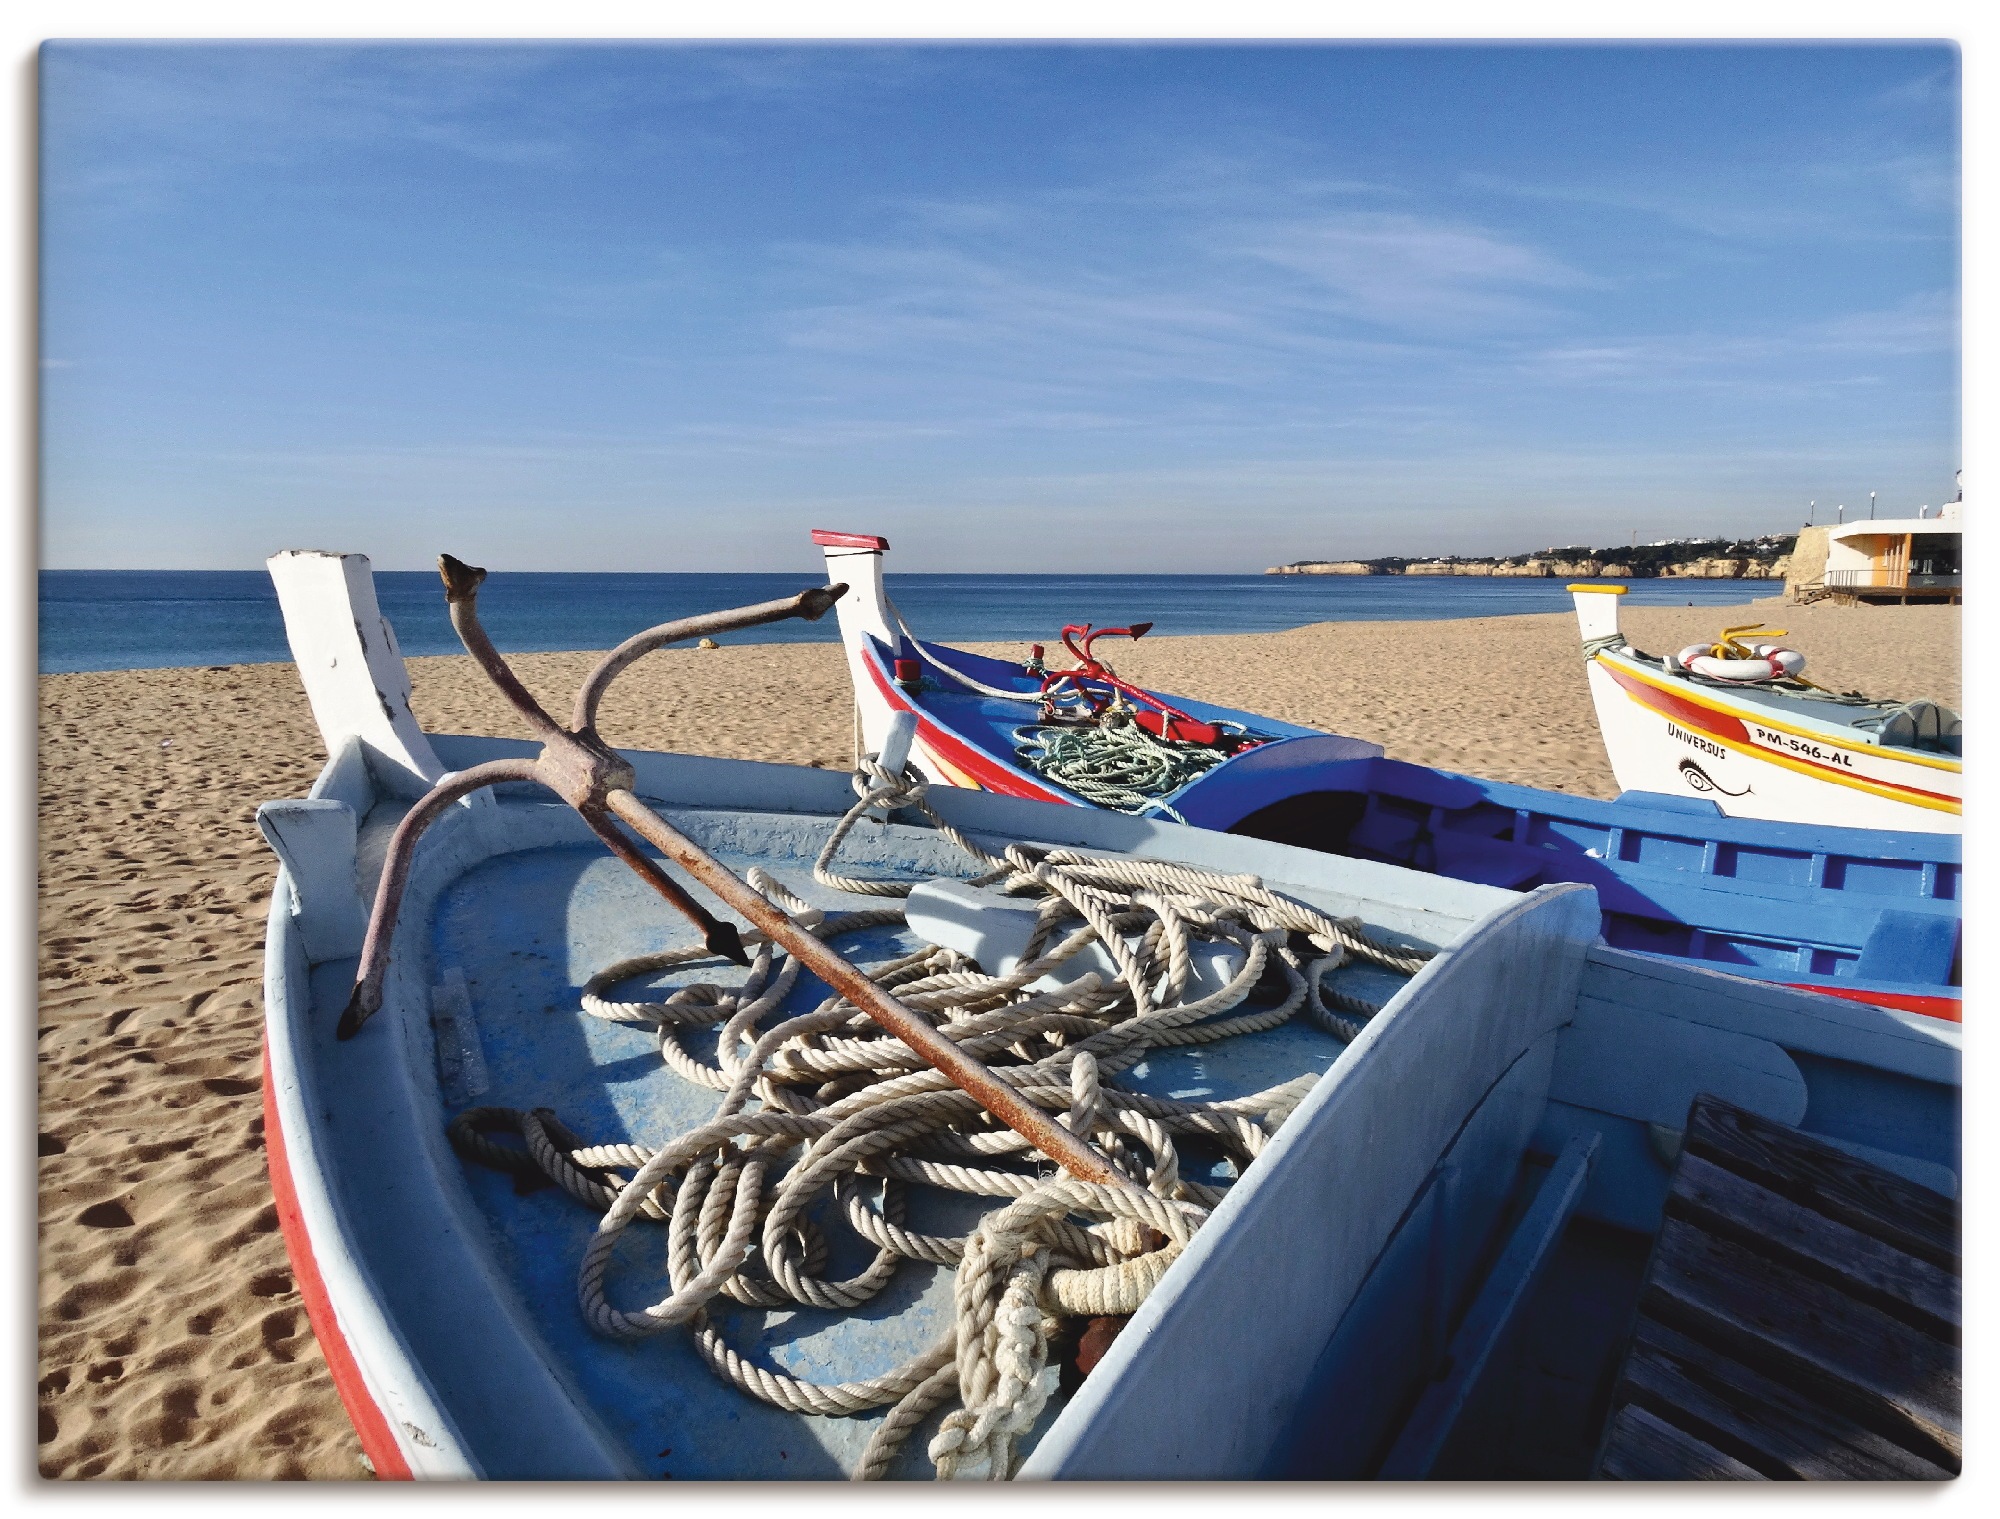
{"x": 1769, "y": 661}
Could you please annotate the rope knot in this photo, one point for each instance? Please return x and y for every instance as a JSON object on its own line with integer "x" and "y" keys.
{"x": 882, "y": 791}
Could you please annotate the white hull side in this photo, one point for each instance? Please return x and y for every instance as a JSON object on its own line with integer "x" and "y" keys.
{"x": 1649, "y": 751}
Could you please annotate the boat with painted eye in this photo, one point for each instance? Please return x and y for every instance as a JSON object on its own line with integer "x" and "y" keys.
{"x": 1740, "y": 724}
{"x": 1865, "y": 913}
{"x": 1381, "y": 1154}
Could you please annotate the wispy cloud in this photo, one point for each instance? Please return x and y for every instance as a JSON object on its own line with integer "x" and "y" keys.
{"x": 1869, "y": 200}
{"x": 1925, "y": 323}
{"x": 1934, "y": 90}
{"x": 1056, "y": 295}
{"x": 209, "y": 108}
{"x": 1799, "y": 358}
{"x": 1412, "y": 273}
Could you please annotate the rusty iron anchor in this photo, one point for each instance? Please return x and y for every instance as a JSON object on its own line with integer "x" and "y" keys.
{"x": 581, "y": 768}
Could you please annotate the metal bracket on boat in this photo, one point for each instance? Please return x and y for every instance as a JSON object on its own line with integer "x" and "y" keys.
{"x": 587, "y": 773}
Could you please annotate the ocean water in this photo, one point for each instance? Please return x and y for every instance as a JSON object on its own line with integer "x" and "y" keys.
{"x": 151, "y": 619}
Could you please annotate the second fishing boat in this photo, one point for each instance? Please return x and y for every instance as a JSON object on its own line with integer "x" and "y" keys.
{"x": 1868, "y": 914}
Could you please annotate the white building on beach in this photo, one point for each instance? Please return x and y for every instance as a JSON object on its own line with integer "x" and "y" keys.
{"x": 1888, "y": 559}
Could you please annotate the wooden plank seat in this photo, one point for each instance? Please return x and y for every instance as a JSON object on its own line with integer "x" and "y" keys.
{"x": 1800, "y": 1318}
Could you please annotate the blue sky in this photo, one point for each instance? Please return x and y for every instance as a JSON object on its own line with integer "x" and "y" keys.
{"x": 1140, "y": 307}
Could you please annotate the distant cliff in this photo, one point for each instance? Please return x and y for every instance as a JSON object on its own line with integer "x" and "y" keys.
{"x": 1709, "y": 559}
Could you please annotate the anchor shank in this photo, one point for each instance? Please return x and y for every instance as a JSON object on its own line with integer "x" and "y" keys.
{"x": 1069, "y": 1151}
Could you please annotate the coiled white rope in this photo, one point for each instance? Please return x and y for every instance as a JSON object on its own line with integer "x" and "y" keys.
{"x": 1122, "y": 768}
{"x": 847, "y": 1113}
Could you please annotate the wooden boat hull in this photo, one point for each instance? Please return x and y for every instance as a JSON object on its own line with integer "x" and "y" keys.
{"x": 1667, "y": 736}
{"x": 1482, "y": 1056}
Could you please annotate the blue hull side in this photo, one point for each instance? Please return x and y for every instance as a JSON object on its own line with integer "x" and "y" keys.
{"x": 1855, "y": 912}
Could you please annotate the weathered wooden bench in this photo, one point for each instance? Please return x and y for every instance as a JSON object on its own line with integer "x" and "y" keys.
{"x": 1799, "y": 1319}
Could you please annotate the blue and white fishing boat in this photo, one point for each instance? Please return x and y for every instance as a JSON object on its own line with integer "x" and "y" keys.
{"x": 1866, "y": 913}
{"x": 571, "y": 1191}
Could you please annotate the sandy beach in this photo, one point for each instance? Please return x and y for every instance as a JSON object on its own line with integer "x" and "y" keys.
{"x": 173, "y": 1343}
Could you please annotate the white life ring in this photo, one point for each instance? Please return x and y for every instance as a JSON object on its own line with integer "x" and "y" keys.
{"x": 1773, "y": 661}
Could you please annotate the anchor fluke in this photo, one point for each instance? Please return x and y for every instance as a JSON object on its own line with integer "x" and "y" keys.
{"x": 815, "y": 603}
{"x": 356, "y": 1013}
{"x": 724, "y": 940}
{"x": 461, "y": 580}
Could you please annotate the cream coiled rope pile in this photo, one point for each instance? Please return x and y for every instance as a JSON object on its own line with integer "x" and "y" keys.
{"x": 1118, "y": 766}
{"x": 845, "y": 1113}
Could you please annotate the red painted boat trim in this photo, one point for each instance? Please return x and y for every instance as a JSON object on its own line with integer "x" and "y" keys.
{"x": 1947, "y": 1008}
{"x": 991, "y": 773}
{"x": 826, "y": 538}
{"x": 377, "y": 1441}
{"x": 1707, "y": 719}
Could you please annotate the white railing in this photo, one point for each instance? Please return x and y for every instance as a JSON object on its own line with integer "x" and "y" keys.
{"x": 1879, "y": 579}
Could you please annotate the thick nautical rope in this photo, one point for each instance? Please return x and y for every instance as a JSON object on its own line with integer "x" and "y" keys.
{"x": 846, "y": 1113}
{"x": 1038, "y": 869}
{"x": 1122, "y": 768}
{"x": 881, "y": 794}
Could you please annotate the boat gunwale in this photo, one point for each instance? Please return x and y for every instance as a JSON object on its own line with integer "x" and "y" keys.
{"x": 365, "y": 1352}
{"x": 1737, "y": 705}
{"x": 1629, "y": 811}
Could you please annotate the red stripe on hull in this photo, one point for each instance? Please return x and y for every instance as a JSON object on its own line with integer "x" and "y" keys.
{"x": 1706, "y": 719}
{"x": 982, "y": 767}
{"x": 1947, "y": 1008}
{"x": 377, "y": 1441}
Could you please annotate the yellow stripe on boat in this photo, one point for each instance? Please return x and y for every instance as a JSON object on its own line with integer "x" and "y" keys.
{"x": 1888, "y": 791}
{"x": 1684, "y": 691}
{"x": 952, "y": 773}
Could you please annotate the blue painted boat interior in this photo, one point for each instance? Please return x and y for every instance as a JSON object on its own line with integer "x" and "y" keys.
{"x": 989, "y": 723}
{"x": 528, "y": 929}
{"x": 1850, "y": 909}
{"x": 1847, "y": 907}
